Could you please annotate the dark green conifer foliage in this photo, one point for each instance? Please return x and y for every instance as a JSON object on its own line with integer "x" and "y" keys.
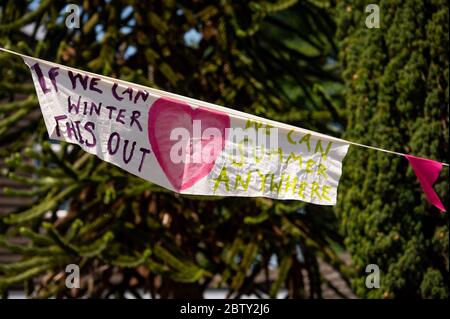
{"x": 397, "y": 97}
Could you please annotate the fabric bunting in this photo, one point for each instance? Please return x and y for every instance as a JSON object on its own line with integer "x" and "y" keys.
{"x": 193, "y": 147}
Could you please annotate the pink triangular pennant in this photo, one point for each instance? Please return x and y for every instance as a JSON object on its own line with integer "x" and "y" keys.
{"x": 427, "y": 171}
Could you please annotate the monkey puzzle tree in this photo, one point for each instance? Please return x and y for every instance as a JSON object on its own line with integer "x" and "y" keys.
{"x": 397, "y": 98}
{"x": 271, "y": 58}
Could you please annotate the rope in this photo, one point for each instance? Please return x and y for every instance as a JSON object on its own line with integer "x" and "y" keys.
{"x": 239, "y": 114}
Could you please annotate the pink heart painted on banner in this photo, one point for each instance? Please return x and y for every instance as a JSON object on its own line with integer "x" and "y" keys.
{"x": 164, "y": 116}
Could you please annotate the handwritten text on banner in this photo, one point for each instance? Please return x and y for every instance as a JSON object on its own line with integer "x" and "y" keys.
{"x": 182, "y": 146}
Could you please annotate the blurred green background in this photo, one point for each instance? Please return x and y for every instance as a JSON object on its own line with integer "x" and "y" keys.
{"x": 313, "y": 64}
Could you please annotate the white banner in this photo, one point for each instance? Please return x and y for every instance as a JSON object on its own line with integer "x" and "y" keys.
{"x": 186, "y": 145}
